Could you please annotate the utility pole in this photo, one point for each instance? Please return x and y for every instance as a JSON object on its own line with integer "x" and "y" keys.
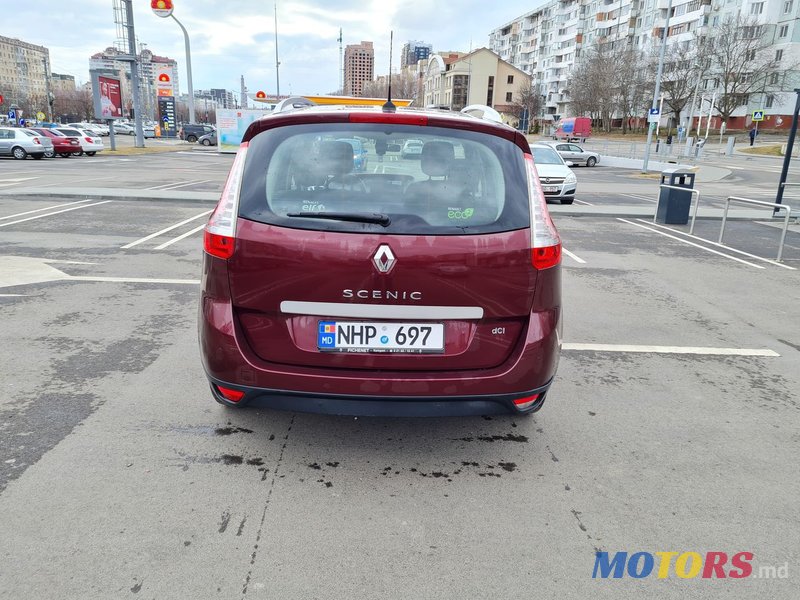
{"x": 788, "y": 156}
{"x": 277, "y": 62}
{"x": 657, "y": 89}
{"x": 48, "y": 88}
{"x": 341, "y": 64}
{"x": 137, "y": 103}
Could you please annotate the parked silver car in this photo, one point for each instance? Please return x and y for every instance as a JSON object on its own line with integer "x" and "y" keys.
{"x": 556, "y": 178}
{"x": 20, "y": 143}
{"x": 575, "y": 154}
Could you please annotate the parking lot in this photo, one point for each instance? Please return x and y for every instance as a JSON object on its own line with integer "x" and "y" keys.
{"x": 672, "y": 424}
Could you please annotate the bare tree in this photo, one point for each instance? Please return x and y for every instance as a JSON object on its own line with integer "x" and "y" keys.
{"x": 684, "y": 64}
{"x": 632, "y": 82}
{"x": 592, "y": 85}
{"x": 527, "y": 99}
{"x": 741, "y": 61}
{"x": 404, "y": 85}
{"x": 77, "y": 103}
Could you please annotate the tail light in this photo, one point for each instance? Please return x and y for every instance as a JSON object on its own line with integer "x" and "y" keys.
{"x": 37, "y": 141}
{"x": 88, "y": 139}
{"x": 545, "y": 241}
{"x": 220, "y": 233}
{"x": 526, "y": 402}
{"x": 230, "y": 394}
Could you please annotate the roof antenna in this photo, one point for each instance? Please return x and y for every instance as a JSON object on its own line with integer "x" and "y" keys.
{"x": 389, "y": 106}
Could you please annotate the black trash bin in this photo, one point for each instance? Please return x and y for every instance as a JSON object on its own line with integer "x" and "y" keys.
{"x": 673, "y": 205}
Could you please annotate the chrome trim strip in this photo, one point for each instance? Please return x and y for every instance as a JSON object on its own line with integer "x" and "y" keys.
{"x": 380, "y": 311}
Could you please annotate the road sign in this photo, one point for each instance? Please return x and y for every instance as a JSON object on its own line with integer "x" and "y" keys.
{"x": 40, "y": 116}
{"x": 653, "y": 116}
{"x": 12, "y": 115}
{"x": 758, "y": 115}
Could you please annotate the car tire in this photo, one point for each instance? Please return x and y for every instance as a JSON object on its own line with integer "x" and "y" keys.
{"x": 50, "y": 154}
{"x": 91, "y": 153}
{"x": 567, "y": 200}
{"x": 77, "y": 153}
{"x": 19, "y": 153}
{"x": 206, "y": 142}
{"x": 191, "y": 138}
{"x": 38, "y": 156}
{"x": 132, "y": 132}
{"x": 591, "y": 161}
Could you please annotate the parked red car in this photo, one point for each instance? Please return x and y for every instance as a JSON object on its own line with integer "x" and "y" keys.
{"x": 62, "y": 145}
{"x": 429, "y": 286}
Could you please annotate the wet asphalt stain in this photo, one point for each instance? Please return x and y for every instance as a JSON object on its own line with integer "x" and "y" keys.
{"x": 508, "y": 466}
{"x": 229, "y": 430}
{"x": 28, "y": 433}
{"x": 552, "y": 456}
{"x": 582, "y": 527}
{"x": 226, "y": 518}
{"x": 509, "y": 437}
{"x": 241, "y": 527}
{"x": 231, "y": 459}
{"x": 137, "y": 587}
{"x": 592, "y": 414}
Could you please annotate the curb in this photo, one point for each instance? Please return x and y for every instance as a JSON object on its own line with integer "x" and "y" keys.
{"x": 116, "y": 194}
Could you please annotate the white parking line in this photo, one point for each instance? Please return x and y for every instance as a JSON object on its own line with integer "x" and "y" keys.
{"x": 577, "y": 259}
{"x": 130, "y": 280}
{"x": 14, "y": 181}
{"x": 180, "y": 237}
{"x": 671, "y": 349}
{"x": 58, "y": 212}
{"x": 180, "y": 185}
{"x": 28, "y": 212}
{"x": 170, "y": 228}
{"x": 165, "y": 186}
{"x": 744, "y": 262}
{"x": 635, "y": 197}
{"x": 583, "y": 202}
{"x": 694, "y": 237}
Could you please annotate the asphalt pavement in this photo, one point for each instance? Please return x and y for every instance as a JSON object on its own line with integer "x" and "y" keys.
{"x": 672, "y": 424}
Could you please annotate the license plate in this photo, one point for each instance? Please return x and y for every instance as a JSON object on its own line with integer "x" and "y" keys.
{"x": 349, "y": 336}
{"x": 550, "y": 188}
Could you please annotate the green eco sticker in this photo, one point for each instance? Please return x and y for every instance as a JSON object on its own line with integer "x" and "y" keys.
{"x": 457, "y": 213}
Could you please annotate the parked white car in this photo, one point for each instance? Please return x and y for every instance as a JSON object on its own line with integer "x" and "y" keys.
{"x": 575, "y": 154}
{"x": 20, "y": 143}
{"x": 90, "y": 142}
{"x": 557, "y": 179}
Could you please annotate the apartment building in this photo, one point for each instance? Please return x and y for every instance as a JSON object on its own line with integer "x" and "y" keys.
{"x": 359, "y": 66}
{"x": 547, "y": 41}
{"x": 24, "y": 70}
{"x": 457, "y": 80}
{"x": 62, "y": 83}
{"x": 413, "y": 52}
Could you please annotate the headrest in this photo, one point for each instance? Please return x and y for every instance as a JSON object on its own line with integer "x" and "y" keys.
{"x": 335, "y": 158}
{"x": 436, "y": 158}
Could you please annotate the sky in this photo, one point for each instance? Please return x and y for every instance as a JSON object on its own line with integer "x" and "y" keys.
{"x": 230, "y": 38}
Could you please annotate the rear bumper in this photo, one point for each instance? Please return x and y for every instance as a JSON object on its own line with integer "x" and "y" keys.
{"x": 376, "y": 406}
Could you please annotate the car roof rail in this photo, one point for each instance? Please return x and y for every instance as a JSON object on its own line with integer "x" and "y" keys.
{"x": 292, "y": 103}
{"x": 483, "y": 112}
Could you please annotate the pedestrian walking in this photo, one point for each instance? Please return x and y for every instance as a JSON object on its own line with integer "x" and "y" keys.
{"x": 753, "y": 134}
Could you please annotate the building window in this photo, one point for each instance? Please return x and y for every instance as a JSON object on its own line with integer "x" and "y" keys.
{"x": 783, "y": 31}
{"x": 778, "y": 54}
{"x": 756, "y": 8}
{"x": 770, "y": 101}
{"x": 510, "y": 79}
{"x": 787, "y": 7}
{"x": 773, "y": 78}
{"x": 509, "y": 96}
{"x": 490, "y": 91}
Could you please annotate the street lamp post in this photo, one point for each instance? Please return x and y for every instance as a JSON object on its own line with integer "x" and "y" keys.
{"x": 188, "y": 69}
{"x": 657, "y": 89}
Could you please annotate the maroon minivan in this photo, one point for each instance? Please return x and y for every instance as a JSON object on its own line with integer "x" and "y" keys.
{"x": 428, "y": 285}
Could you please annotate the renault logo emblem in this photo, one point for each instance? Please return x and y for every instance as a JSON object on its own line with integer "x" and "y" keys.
{"x": 384, "y": 259}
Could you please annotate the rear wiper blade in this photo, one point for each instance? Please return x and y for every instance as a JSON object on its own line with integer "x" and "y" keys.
{"x": 377, "y": 218}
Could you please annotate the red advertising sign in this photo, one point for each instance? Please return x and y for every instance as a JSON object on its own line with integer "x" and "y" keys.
{"x": 110, "y": 97}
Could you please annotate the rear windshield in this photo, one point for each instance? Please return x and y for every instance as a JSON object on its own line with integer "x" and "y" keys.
{"x": 70, "y": 132}
{"x": 545, "y": 156}
{"x": 456, "y": 182}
